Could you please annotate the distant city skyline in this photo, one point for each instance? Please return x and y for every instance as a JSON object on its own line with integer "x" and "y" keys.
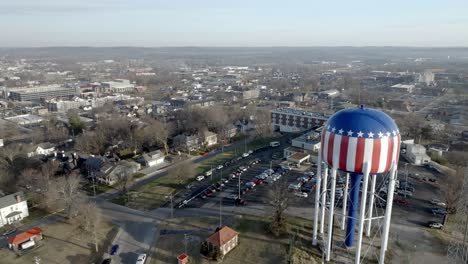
{"x": 242, "y": 23}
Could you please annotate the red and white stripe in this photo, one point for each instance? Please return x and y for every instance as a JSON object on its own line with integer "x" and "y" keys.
{"x": 350, "y": 153}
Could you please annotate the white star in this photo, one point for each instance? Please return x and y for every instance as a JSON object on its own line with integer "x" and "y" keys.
{"x": 340, "y": 131}
{"x": 333, "y": 129}
{"x": 370, "y": 134}
{"x": 359, "y": 134}
{"x": 328, "y": 127}
{"x": 380, "y": 134}
{"x": 394, "y": 133}
{"x": 350, "y": 133}
{"x": 388, "y": 134}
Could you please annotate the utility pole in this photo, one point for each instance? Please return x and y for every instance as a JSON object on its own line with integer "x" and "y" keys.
{"x": 457, "y": 251}
{"x": 406, "y": 178}
{"x": 185, "y": 243}
{"x": 239, "y": 185}
{"x": 172, "y": 205}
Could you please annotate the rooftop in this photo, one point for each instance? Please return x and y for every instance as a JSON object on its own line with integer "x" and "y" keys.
{"x": 26, "y": 235}
{"x": 223, "y": 236}
{"x": 36, "y": 89}
{"x": 10, "y": 199}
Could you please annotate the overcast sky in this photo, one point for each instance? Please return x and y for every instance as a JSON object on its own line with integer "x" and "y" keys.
{"x": 156, "y": 23}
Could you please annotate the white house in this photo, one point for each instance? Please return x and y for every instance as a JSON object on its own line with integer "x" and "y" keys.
{"x": 416, "y": 154}
{"x": 43, "y": 149}
{"x": 13, "y": 208}
{"x": 209, "y": 138}
{"x": 153, "y": 158}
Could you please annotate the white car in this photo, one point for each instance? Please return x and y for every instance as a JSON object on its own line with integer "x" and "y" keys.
{"x": 404, "y": 192}
{"x": 294, "y": 186}
{"x": 436, "y": 225}
{"x": 438, "y": 203}
{"x": 200, "y": 178}
{"x": 274, "y": 144}
{"x": 250, "y": 184}
{"x": 269, "y": 171}
{"x": 220, "y": 167}
{"x": 231, "y": 197}
{"x": 301, "y": 194}
{"x": 245, "y": 155}
{"x": 141, "y": 259}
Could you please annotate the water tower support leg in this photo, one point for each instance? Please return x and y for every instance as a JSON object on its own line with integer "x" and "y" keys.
{"x": 388, "y": 213}
{"x": 324, "y": 198}
{"x": 317, "y": 199}
{"x": 330, "y": 212}
{"x": 371, "y": 204}
{"x": 362, "y": 213}
{"x": 345, "y": 202}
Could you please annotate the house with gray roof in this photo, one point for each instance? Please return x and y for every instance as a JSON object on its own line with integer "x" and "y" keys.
{"x": 13, "y": 208}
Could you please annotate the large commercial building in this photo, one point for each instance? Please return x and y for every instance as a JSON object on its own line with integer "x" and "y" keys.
{"x": 295, "y": 120}
{"x": 41, "y": 92}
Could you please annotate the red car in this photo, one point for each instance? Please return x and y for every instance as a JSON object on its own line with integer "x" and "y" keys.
{"x": 401, "y": 201}
{"x": 257, "y": 181}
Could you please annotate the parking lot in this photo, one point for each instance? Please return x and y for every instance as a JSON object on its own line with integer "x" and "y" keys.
{"x": 411, "y": 215}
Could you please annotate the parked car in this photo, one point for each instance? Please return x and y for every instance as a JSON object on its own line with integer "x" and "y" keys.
{"x": 404, "y": 192}
{"x": 242, "y": 168}
{"x": 208, "y": 194}
{"x": 438, "y": 202}
{"x": 114, "y": 250}
{"x": 262, "y": 176}
{"x": 141, "y": 259}
{"x": 200, "y": 177}
{"x": 9, "y": 232}
{"x": 309, "y": 173}
{"x": 232, "y": 196}
{"x": 245, "y": 155}
{"x": 275, "y": 144}
{"x": 401, "y": 201}
{"x": 240, "y": 202}
{"x": 294, "y": 186}
{"x": 220, "y": 166}
{"x": 439, "y": 211}
{"x": 269, "y": 171}
{"x": 301, "y": 194}
{"x": 250, "y": 152}
{"x": 209, "y": 173}
{"x": 436, "y": 225}
{"x": 250, "y": 184}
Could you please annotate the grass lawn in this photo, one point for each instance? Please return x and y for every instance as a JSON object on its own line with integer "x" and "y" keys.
{"x": 63, "y": 243}
{"x": 256, "y": 244}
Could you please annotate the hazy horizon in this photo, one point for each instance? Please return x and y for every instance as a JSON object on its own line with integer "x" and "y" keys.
{"x": 210, "y": 23}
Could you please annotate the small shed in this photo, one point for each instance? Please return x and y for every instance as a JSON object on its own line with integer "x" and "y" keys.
{"x": 25, "y": 239}
{"x": 182, "y": 259}
{"x": 225, "y": 239}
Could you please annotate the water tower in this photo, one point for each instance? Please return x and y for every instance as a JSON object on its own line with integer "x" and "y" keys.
{"x": 364, "y": 143}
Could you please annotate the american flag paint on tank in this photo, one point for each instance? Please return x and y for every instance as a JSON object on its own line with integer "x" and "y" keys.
{"x": 356, "y": 136}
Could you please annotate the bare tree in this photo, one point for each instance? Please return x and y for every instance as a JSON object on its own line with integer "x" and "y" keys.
{"x": 183, "y": 171}
{"x": 89, "y": 220}
{"x": 123, "y": 181}
{"x": 279, "y": 198}
{"x": 10, "y": 163}
{"x": 68, "y": 191}
{"x": 452, "y": 189}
